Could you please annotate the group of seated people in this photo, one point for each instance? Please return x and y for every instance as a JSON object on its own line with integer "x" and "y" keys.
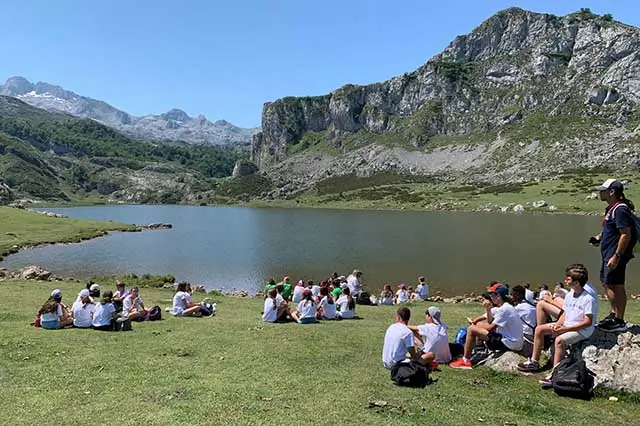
{"x": 88, "y": 311}
{"x": 404, "y": 294}
{"x": 518, "y": 323}
{"x": 325, "y": 301}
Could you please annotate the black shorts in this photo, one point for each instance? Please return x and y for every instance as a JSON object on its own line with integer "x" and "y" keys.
{"x": 494, "y": 342}
{"x": 613, "y": 276}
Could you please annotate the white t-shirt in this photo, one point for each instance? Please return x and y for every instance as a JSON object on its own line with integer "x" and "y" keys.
{"x": 297, "y": 293}
{"x": 529, "y": 295}
{"x": 179, "y": 300}
{"x": 527, "y": 314}
{"x": 52, "y": 316}
{"x": 591, "y": 289}
{"x": 82, "y": 315}
{"x": 315, "y": 290}
{"x": 354, "y": 285}
{"x": 127, "y": 304}
{"x": 397, "y": 341}
{"x": 103, "y": 314}
{"x": 343, "y": 303}
{"x": 509, "y": 326}
{"x": 403, "y": 296}
{"x": 307, "y": 309}
{"x": 423, "y": 291}
{"x": 270, "y": 312}
{"x": 436, "y": 340}
{"x": 328, "y": 310}
{"x": 576, "y": 307}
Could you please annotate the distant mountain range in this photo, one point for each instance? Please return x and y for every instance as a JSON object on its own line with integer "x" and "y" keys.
{"x": 174, "y": 125}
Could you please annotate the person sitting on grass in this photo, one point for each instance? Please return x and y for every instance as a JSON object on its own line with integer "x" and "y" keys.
{"x": 315, "y": 288}
{"x": 399, "y": 344}
{"x": 268, "y": 286}
{"x": 336, "y": 290}
{"x": 286, "y": 289}
{"x": 275, "y": 309}
{"x": 386, "y": 295}
{"x": 297, "y": 292}
{"x": 105, "y": 313}
{"x": 307, "y": 310}
{"x": 83, "y": 310}
{"x": 576, "y": 323}
{"x": 402, "y": 295}
{"x": 346, "y": 305}
{"x": 53, "y": 314}
{"x": 543, "y": 292}
{"x": 119, "y": 295}
{"x": 183, "y": 306}
{"x": 422, "y": 291}
{"x": 133, "y": 306}
{"x": 432, "y": 338}
{"x": 327, "y": 306}
{"x": 502, "y": 330}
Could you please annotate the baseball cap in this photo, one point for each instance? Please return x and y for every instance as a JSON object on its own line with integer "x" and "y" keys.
{"x": 434, "y": 313}
{"x": 609, "y": 184}
{"x": 84, "y": 293}
{"x": 493, "y": 285}
{"x": 94, "y": 287}
{"x": 501, "y": 290}
{"x": 56, "y": 293}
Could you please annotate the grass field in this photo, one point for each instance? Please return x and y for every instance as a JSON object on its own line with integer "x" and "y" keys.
{"x": 20, "y": 228}
{"x": 234, "y": 369}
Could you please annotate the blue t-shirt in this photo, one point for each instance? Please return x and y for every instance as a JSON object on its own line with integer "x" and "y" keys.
{"x": 620, "y": 217}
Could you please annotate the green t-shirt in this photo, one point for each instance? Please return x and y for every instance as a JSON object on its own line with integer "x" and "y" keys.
{"x": 286, "y": 292}
{"x": 336, "y": 292}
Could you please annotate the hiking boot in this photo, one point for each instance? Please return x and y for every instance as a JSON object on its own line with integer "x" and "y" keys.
{"x": 615, "y": 325}
{"x": 545, "y": 382}
{"x": 606, "y": 320}
{"x": 462, "y": 364}
{"x": 529, "y": 366}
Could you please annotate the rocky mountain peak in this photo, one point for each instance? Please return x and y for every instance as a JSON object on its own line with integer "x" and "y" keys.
{"x": 176, "y": 115}
{"x": 15, "y": 86}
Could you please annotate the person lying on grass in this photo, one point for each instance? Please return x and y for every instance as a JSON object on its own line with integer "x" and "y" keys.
{"x": 307, "y": 310}
{"x": 432, "y": 338}
{"x": 53, "y": 314}
{"x": 399, "y": 344}
{"x": 502, "y": 330}
{"x": 576, "y": 323}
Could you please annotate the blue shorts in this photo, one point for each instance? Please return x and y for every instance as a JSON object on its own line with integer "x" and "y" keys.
{"x": 50, "y": 325}
{"x": 308, "y": 320}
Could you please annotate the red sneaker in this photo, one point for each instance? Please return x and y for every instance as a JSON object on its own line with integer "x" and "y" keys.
{"x": 461, "y": 363}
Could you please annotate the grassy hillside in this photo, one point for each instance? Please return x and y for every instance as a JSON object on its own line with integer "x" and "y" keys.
{"x": 234, "y": 369}
{"x": 53, "y": 156}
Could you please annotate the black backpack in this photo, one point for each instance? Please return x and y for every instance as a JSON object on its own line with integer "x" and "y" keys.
{"x": 155, "y": 314}
{"x": 364, "y": 298}
{"x": 572, "y": 378}
{"x": 410, "y": 374}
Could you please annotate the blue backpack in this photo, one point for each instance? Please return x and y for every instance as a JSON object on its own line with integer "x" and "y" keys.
{"x": 461, "y": 336}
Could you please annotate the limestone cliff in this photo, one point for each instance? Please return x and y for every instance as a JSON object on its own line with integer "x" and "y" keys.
{"x": 518, "y": 68}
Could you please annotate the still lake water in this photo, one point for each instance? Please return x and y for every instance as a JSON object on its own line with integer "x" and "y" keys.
{"x": 235, "y": 247}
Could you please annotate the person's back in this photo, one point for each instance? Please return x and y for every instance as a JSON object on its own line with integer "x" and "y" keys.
{"x": 397, "y": 341}
{"x": 297, "y": 293}
{"x": 328, "y": 308}
{"x": 307, "y": 309}
{"x": 436, "y": 340}
{"x": 527, "y": 314}
{"x": 346, "y": 311}
{"x": 271, "y": 305}
{"x": 82, "y": 314}
{"x": 103, "y": 314}
{"x": 509, "y": 325}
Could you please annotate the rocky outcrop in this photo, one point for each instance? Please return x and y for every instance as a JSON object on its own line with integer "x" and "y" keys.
{"x": 244, "y": 168}
{"x": 32, "y": 273}
{"x": 498, "y": 86}
{"x": 6, "y": 194}
{"x": 615, "y": 359}
{"x": 155, "y": 226}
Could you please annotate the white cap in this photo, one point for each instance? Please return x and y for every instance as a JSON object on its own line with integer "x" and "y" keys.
{"x": 83, "y": 293}
{"x": 56, "y": 293}
{"x": 609, "y": 184}
{"x": 94, "y": 287}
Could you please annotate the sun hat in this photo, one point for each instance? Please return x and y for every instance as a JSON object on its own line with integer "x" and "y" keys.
{"x": 84, "y": 293}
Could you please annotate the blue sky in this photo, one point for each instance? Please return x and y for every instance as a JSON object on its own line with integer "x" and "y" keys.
{"x": 225, "y": 58}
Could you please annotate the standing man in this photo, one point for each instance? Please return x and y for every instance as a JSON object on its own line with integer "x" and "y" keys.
{"x": 353, "y": 281}
{"x": 616, "y": 243}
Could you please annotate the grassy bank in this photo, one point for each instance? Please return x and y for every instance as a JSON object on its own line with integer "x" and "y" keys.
{"x": 233, "y": 369}
{"x": 570, "y": 193}
{"x": 20, "y": 228}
